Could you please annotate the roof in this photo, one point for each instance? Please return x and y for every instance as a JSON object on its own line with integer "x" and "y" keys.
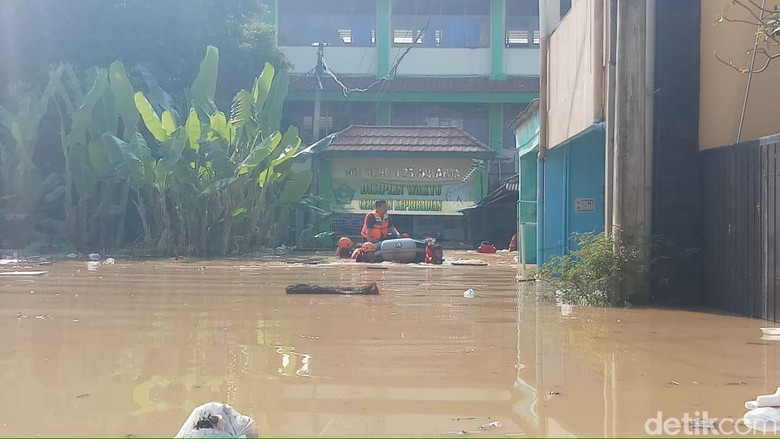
{"x": 529, "y": 111}
{"x": 508, "y": 192}
{"x": 424, "y": 84}
{"x": 404, "y": 139}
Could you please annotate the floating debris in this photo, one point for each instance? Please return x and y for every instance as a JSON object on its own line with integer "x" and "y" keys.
{"x": 83, "y": 395}
{"x": 702, "y": 424}
{"x": 494, "y": 424}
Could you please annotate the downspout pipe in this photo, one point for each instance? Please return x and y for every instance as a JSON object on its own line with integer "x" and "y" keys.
{"x": 545, "y": 30}
{"x": 650, "y": 30}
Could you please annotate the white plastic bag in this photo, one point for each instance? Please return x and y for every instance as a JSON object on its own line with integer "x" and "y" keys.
{"x": 763, "y": 419}
{"x": 216, "y": 419}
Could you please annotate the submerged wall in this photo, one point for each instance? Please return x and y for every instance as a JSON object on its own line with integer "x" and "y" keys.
{"x": 573, "y": 193}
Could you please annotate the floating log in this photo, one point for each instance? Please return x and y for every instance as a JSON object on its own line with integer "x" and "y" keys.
{"x": 368, "y": 290}
{"x": 22, "y": 273}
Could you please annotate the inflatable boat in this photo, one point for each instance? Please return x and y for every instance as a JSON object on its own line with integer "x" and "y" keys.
{"x": 402, "y": 250}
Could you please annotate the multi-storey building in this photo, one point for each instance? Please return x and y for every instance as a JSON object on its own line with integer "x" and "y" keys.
{"x": 473, "y": 64}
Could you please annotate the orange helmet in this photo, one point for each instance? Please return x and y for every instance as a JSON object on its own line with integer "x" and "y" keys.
{"x": 368, "y": 247}
{"x": 345, "y": 242}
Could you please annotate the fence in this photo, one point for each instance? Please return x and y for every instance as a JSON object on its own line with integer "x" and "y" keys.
{"x": 741, "y": 207}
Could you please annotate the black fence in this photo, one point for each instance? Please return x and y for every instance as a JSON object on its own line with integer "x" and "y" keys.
{"x": 741, "y": 228}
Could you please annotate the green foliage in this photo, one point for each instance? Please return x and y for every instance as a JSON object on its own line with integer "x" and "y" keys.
{"x": 22, "y": 185}
{"x": 235, "y": 178}
{"x": 599, "y": 272}
{"x": 766, "y": 20}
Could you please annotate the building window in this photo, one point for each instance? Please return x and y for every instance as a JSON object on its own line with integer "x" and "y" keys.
{"x": 522, "y": 23}
{"x": 441, "y": 23}
{"x": 335, "y": 22}
{"x": 565, "y": 6}
{"x": 472, "y": 118}
{"x": 334, "y": 116}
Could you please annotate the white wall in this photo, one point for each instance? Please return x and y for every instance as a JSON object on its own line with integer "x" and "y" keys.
{"x": 342, "y": 60}
{"x": 419, "y": 61}
{"x": 521, "y": 61}
{"x": 573, "y": 79}
{"x": 443, "y": 61}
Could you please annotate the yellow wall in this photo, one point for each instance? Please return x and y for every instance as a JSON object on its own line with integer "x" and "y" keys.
{"x": 723, "y": 89}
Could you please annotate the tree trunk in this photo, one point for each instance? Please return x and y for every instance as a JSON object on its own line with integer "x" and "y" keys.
{"x": 120, "y": 226}
{"x": 139, "y": 205}
{"x": 227, "y": 228}
{"x": 166, "y": 219}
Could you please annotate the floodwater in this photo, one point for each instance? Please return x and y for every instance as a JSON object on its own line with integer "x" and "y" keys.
{"x": 132, "y": 348}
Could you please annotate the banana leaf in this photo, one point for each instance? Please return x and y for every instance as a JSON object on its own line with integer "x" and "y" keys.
{"x": 205, "y": 85}
{"x": 295, "y": 187}
{"x": 149, "y": 116}
{"x": 127, "y": 165}
{"x": 262, "y": 87}
{"x": 259, "y": 153}
{"x": 192, "y": 126}
{"x": 83, "y": 177}
{"x": 123, "y": 92}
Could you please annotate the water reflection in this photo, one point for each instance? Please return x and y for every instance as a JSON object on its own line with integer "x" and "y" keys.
{"x": 135, "y": 351}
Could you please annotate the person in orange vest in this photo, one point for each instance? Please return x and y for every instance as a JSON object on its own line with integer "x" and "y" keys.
{"x": 377, "y": 225}
{"x": 486, "y": 247}
{"x": 433, "y": 252}
{"x": 365, "y": 253}
{"x": 513, "y": 243}
{"x": 344, "y": 250}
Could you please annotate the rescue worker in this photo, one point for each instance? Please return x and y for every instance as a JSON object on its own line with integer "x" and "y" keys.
{"x": 377, "y": 225}
{"x": 433, "y": 252}
{"x": 486, "y": 247}
{"x": 344, "y": 249}
{"x": 513, "y": 243}
{"x": 365, "y": 253}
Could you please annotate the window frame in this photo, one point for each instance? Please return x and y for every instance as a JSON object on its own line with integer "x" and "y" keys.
{"x": 438, "y": 35}
{"x": 338, "y": 30}
{"x": 532, "y": 33}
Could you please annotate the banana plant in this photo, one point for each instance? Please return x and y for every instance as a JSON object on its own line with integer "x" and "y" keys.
{"x": 100, "y": 145}
{"x": 216, "y": 169}
{"x": 21, "y": 183}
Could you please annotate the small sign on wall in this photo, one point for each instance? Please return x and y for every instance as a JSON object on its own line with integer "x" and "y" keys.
{"x": 584, "y": 205}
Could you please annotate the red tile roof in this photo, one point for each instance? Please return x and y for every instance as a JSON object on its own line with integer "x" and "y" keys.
{"x": 424, "y": 84}
{"x": 359, "y": 138}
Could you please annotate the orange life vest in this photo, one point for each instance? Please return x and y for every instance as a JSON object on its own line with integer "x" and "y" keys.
{"x": 375, "y": 227}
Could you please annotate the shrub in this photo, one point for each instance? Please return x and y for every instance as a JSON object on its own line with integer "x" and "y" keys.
{"x": 599, "y": 273}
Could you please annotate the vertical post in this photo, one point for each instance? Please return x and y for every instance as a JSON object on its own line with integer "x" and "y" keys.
{"x": 270, "y": 13}
{"x": 497, "y": 39}
{"x": 649, "y": 114}
{"x": 610, "y": 27}
{"x": 629, "y": 216}
{"x": 383, "y": 39}
{"x": 383, "y": 112}
{"x": 496, "y": 126}
{"x": 325, "y": 190}
{"x": 319, "y": 70}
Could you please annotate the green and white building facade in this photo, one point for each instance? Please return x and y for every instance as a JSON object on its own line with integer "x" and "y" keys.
{"x": 473, "y": 64}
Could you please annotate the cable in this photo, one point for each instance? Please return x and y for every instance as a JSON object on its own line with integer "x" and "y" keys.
{"x": 390, "y": 74}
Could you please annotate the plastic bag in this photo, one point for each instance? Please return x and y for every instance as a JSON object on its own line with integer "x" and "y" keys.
{"x": 763, "y": 419}
{"x": 216, "y": 419}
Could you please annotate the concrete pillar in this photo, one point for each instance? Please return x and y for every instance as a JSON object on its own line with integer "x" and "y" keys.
{"x": 497, "y": 24}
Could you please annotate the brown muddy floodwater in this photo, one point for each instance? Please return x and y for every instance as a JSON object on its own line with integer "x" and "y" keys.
{"x": 131, "y": 348}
